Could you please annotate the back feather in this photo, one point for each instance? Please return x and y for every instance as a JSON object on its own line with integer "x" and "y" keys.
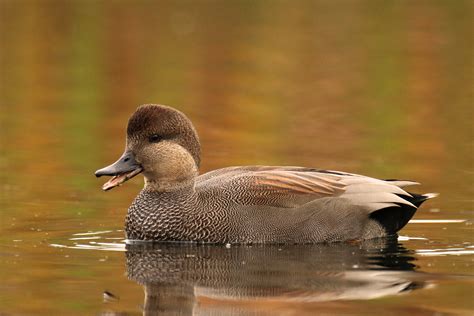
{"x": 292, "y": 187}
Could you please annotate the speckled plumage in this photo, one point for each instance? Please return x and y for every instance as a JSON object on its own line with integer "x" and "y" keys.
{"x": 252, "y": 204}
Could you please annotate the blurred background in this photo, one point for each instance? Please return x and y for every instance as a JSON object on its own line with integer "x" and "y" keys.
{"x": 382, "y": 88}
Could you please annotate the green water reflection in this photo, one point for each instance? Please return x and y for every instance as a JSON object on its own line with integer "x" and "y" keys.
{"x": 382, "y": 88}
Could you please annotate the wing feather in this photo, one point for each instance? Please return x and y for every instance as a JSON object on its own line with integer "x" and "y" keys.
{"x": 292, "y": 187}
{"x": 297, "y": 183}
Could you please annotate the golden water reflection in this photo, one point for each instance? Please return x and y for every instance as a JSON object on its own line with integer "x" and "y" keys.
{"x": 382, "y": 88}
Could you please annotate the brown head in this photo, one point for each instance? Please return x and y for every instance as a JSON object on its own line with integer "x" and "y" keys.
{"x": 163, "y": 144}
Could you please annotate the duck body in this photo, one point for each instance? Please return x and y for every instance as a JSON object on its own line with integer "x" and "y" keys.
{"x": 249, "y": 204}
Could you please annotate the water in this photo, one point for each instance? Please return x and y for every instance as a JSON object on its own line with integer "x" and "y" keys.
{"x": 373, "y": 87}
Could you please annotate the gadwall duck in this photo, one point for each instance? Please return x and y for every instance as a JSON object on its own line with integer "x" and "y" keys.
{"x": 249, "y": 204}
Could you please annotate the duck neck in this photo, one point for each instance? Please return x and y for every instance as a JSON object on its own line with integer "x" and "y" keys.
{"x": 170, "y": 185}
{"x": 168, "y": 191}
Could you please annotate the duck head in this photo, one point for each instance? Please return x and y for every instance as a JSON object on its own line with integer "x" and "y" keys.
{"x": 162, "y": 144}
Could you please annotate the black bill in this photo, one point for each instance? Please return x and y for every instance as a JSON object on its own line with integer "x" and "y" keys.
{"x": 122, "y": 170}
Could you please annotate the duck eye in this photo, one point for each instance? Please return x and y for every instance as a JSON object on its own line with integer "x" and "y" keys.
{"x": 155, "y": 138}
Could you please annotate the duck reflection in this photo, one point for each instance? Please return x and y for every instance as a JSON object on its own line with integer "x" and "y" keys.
{"x": 181, "y": 278}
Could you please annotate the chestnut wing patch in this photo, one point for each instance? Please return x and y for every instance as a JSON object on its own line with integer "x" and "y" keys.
{"x": 297, "y": 182}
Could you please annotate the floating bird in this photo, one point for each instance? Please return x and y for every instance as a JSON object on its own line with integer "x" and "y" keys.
{"x": 246, "y": 204}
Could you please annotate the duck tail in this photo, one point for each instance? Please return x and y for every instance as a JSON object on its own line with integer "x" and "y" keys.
{"x": 418, "y": 199}
{"x": 395, "y": 218}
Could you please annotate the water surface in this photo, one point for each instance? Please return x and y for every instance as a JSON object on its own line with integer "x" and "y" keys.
{"x": 381, "y": 88}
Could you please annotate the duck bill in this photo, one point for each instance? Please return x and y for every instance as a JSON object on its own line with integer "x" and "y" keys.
{"x": 122, "y": 170}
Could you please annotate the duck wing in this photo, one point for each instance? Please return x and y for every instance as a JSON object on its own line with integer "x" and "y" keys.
{"x": 292, "y": 187}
